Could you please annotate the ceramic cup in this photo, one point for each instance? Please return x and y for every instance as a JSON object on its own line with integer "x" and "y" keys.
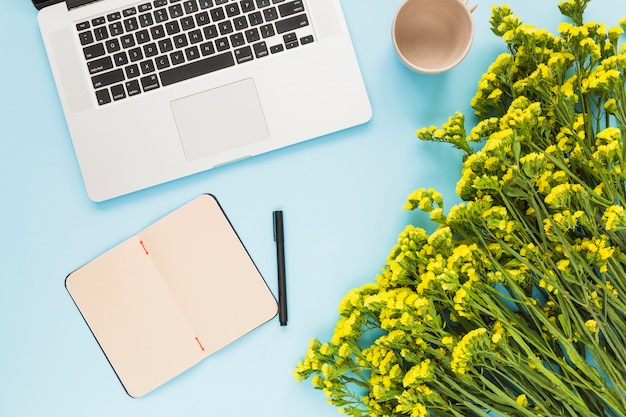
{"x": 432, "y": 36}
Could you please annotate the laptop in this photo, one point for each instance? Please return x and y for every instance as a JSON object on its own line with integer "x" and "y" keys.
{"x": 155, "y": 90}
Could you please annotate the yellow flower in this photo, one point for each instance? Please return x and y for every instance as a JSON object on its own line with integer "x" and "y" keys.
{"x": 418, "y": 373}
{"x": 610, "y": 105}
{"x": 522, "y": 400}
{"x": 448, "y": 341}
{"x": 463, "y": 351}
{"x": 419, "y": 410}
{"x": 592, "y": 326}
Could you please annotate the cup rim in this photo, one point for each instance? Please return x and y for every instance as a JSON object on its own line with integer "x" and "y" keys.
{"x": 425, "y": 70}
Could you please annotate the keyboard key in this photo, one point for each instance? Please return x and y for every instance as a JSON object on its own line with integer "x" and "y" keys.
{"x": 94, "y": 51}
{"x": 180, "y": 41}
{"x": 146, "y": 20}
{"x": 135, "y": 54}
{"x": 120, "y": 59}
{"x": 147, "y": 66}
{"x": 162, "y": 62}
{"x": 222, "y": 44}
{"x": 150, "y": 82}
{"x": 131, "y": 24}
{"x": 203, "y": 19}
{"x": 113, "y": 45}
{"x": 197, "y": 68}
{"x": 247, "y": 6}
{"x": 187, "y": 23}
{"x": 129, "y": 12}
{"x": 159, "y": 3}
{"x": 127, "y": 41}
{"x": 290, "y": 37}
{"x": 237, "y": 39}
{"x": 225, "y": 27}
{"x": 100, "y": 33}
{"x": 116, "y": 29}
{"x": 85, "y": 38}
{"x": 118, "y": 92}
{"x": 205, "y": 4}
{"x": 190, "y": 6}
{"x": 290, "y": 8}
{"x": 132, "y": 71}
{"x": 210, "y": 32}
{"x": 160, "y": 15}
{"x": 255, "y": 18}
{"x": 291, "y": 23}
{"x": 103, "y": 97}
{"x": 98, "y": 21}
{"x": 107, "y": 78}
{"x": 252, "y": 35}
{"x": 177, "y": 57}
{"x": 260, "y": 49}
{"x": 306, "y": 39}
{"x": 232, "y": 9}
{"x": 240, "y": 22}
{"x": 132, "y": 87}
{"x": 192, "y": 53}
{"x": 176, "y": 11}
{"x": 270, "y": 14}
{"x": 217, "y": 14}
{"x": 145, "y": 7}
{"x": 165, "y": 45}
{"x": 114, "y": 16}
{"x": 243, "y": 54}
{"x": 263, "y": 3}
{"x": 291, "y": 40}
{"x": 82, "y": 26}
{"x": 172, "y": 27}
{"x": 101, "y": 64}
{"x": 150, "y": 50}
{"x": 207, "y": 48}
{"x": 277, "y": 48}
{"x": 267, "y": 31}
{"x": 195, "y": 36}
{"x": 157, "y": 32}
{"x": 142, "y": 36}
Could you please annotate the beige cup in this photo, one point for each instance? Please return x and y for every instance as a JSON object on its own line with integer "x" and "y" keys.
{"x": 432, "y": 36}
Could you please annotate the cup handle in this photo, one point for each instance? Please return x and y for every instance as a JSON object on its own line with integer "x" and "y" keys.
{"x": 470, "y": 8}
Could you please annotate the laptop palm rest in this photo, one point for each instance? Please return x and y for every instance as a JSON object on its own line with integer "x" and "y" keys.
{"x": 220, "y": 119}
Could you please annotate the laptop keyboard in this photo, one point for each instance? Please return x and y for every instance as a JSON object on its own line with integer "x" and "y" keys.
{"x": 163, "y": 42}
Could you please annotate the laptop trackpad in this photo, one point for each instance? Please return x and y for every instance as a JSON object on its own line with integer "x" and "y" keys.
{"x": 220, "y": 119}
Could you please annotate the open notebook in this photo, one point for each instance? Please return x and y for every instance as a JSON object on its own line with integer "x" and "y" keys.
{"x": 166, "y": 298}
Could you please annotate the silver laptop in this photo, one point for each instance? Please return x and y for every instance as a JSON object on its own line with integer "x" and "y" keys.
{"x": 154, "y": 90}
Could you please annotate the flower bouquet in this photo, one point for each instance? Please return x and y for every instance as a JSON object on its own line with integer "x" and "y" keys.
{"x": 516, "y": 303}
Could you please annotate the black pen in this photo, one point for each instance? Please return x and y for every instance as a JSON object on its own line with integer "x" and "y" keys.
{"x": 279, "y": 237}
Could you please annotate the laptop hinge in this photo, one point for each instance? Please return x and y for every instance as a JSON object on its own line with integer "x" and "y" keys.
{"x": 72, "y": 4}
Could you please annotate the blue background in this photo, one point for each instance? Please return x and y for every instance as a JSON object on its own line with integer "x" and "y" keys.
{"x": 342, "y": 196}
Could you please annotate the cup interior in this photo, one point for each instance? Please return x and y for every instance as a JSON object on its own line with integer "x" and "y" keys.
{"x": 432, "y": 36}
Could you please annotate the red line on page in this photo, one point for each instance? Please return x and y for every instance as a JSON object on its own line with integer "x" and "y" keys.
{"x": 144, "y": 247}
{"x": 201, "y": 347}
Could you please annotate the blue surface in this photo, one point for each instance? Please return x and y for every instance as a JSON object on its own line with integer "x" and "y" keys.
{"x": 342, "y": 198}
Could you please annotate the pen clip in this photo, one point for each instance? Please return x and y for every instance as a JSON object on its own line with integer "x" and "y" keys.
{"x": 274, "y": 224}
{"x": 278, "y": 224}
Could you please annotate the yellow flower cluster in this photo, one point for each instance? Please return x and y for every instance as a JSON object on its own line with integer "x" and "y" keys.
{"x": 465, "y": 349}
{"x": 514, "y": 304}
